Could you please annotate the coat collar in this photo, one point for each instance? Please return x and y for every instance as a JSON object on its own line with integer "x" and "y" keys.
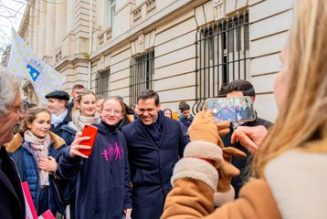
{"x": 18, "y": 140}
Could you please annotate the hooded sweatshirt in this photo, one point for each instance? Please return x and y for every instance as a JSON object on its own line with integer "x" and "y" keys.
{"x": 103, "y": 179}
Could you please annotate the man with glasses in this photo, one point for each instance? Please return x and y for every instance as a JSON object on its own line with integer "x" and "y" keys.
{"x": 155, "y": 143}
{"x": 12, "y": 204}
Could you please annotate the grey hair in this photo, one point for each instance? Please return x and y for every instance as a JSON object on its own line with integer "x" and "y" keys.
{"x": 9, "y": 85}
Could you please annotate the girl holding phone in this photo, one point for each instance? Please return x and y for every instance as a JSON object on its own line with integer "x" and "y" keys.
{"x": 103, "y": 189}
{"x": 84, "y": 112}
{"x": 36, "y": 150}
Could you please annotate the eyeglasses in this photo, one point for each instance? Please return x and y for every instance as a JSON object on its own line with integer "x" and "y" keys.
{"x": 115, "y": 112}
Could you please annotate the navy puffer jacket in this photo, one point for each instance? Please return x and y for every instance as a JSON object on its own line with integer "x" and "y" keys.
{"x": 27, "y": 168}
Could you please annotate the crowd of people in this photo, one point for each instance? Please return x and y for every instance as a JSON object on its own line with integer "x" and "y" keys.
{"x": 147, "y": 164}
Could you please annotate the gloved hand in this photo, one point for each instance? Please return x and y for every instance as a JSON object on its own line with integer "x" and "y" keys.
{"x": 227, "y": 170}
{"x": 204, "y": 139}
{"x": 225, "y": 191}
{"x": 223, "y": 128}
{"x": 202, "y": 156}
{"x": 204, "y": 128}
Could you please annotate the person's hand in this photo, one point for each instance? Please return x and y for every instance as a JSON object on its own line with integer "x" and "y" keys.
{"x": 48, "y": 164}
{"x": 223, "y": 128}
{"x": 225, "y": 192}
{"x": 250, "y": 137}
{"x": 227, "y": 170}
{"x": 204, "y": 128}
{"x": 76, "y": 146}
{"x": 128, "y": 213}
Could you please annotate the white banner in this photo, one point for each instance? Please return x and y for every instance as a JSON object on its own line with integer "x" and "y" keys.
{"x": 23, "y": 63}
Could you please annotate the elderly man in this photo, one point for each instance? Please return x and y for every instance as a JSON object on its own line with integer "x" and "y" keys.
{"x": 12, "y": 204}
{"x": 155, "y": 143}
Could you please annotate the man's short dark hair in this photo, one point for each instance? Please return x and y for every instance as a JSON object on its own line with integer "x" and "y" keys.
{"x": 78, "y": 86}
{"x": 183, "y": 106}
{"x": 149, "y": 94}
{"x": 238, "y": 85}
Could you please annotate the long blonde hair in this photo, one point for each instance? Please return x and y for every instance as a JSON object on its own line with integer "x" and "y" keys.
{"x": 303, "y": 119}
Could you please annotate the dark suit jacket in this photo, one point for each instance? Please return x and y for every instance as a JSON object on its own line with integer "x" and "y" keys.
{"x": 12, "y": 205}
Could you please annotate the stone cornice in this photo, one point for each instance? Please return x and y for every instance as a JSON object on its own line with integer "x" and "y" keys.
{"x": 72, "y": 60}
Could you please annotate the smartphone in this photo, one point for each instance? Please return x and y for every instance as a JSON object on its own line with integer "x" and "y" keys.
{"x": 91, "y": 131}
{"x": 234, "y": 109}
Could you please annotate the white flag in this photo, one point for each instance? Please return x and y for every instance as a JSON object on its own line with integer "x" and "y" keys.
{"x": 23, "y": 63}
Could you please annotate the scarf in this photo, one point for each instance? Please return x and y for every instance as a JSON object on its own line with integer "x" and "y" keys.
{"x": 79, "y": 120}
{"x": 40, "y": 147}
{"x": 57, "y": 119}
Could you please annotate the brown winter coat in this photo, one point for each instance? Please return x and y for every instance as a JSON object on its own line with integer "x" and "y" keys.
{"x": 255, "y": 202}
{"x": 296, "y": 180}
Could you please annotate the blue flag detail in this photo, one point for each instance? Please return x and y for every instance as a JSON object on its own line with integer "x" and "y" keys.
{"x": 33, "y": 72}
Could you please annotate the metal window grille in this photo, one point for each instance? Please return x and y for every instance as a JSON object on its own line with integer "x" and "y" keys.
{"x": 222, "y": 51}
{"x": 102, "y": 83}
{"x": 141, "y": 70}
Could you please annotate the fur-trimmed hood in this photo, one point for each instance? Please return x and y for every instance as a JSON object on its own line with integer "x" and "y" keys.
{"x": 18, "y": 139}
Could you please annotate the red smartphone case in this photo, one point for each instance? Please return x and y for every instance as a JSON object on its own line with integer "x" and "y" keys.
{"x": 91, "y": 131}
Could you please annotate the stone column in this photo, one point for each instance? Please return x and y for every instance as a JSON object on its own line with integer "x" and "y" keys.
{"x": 69, "y": 16}
{"x": 31, "y": 25}
{"x": 50, "y": 28}
{"x": 36, "y": 28}
{"x": 42, "y": 28}
{"x": 60, "y": 26}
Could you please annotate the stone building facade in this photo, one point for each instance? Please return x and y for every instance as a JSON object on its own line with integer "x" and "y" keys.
{"x": 183, "y": 49}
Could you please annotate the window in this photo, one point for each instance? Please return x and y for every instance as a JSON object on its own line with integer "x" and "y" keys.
{"x": 102, "y": 82}
{"x": 141, "y": 70}
{"x": 110, "y": 12}
{"x": 222, "y": 55}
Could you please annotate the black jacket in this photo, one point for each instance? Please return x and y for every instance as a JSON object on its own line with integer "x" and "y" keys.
{"x": 152, "y": 154}
{"x": 12, "y": 205}
{"x": 242, "y": 163}
{"x": 103, "y": 179}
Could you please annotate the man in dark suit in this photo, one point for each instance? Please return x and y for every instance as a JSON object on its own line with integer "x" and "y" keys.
{"x": 12, "y": 205}
{"x": 155, "y": 143}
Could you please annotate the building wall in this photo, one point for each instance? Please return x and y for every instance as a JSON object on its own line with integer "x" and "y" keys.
{"x": 58, "y": 32}
{"x": 172, "y": 34}
{"x": 168, "y": 26}
{"x": 270, "y": 22}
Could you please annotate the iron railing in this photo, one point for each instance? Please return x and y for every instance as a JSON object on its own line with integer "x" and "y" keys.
{"x": 222, "y": 51}
{"x": 141, "y": 70}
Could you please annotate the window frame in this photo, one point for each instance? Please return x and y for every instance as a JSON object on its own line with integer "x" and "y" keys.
{"x": 141, "y": 74}
{"x": 222, "y": 55}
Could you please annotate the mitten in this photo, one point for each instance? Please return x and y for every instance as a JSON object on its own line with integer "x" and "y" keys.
{"x": 204, "y": 128}
{"x": 202, "y": 156}
{"x": 223, "y": 128}
{"x": 225, "y": 192}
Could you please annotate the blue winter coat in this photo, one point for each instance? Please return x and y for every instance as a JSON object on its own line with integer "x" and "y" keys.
{"x": 23, "y": 155}
{"x": 68, "y": 134}
{"x": 152, "y": 163}
{"x": 185, "y": 121}
{"x": 102, "y": 188}
{"x": 58, "y": 129}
